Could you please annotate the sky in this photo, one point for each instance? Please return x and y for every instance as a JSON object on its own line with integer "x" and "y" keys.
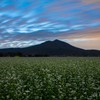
{"x": 25, "y": 23}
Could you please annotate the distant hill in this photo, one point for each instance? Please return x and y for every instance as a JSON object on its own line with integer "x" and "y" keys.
{"x": 54, "y": 48}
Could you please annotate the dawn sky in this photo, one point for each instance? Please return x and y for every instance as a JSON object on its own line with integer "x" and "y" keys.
{"x": 29, "y": 22}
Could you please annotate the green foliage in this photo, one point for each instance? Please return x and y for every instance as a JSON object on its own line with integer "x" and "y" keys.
{"x": 50, "y": 78}
{"x": 17, "y": 56}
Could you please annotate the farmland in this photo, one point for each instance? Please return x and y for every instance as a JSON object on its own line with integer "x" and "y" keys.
{"x": 50, "y": 78}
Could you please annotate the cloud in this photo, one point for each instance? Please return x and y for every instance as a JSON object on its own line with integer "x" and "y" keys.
{"x": 91, "y": 1}
{"x": 69, "y": 20}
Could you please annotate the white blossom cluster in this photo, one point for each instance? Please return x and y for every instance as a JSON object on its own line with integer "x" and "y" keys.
{"x": 50, "y": 78}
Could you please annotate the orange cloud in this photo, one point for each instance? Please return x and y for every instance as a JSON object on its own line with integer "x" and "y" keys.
{"x": 90, "y": 1}
{"x": 87, "y": 38}
{"x": 91, "y": 44}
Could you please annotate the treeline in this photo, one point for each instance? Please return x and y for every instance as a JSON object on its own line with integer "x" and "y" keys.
{"x": 11, "y": 54}
{"x": 19, "y": 54}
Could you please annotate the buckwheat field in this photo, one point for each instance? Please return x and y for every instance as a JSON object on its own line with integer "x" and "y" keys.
{"x": 50, "y": 78}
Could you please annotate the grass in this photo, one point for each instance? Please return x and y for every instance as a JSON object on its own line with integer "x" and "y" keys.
{"x": 50, "y": 78}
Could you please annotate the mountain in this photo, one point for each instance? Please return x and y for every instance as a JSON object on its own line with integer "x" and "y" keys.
{"x": 54, "y": 48}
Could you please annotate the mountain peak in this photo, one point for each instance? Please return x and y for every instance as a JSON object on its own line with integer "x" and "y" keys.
{"x": 56, "y": 40}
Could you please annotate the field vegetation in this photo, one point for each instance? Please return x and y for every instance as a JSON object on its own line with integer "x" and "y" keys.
{"x": 50, "y": 78}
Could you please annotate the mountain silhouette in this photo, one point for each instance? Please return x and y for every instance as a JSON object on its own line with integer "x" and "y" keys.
{"x": 54, "y": 48}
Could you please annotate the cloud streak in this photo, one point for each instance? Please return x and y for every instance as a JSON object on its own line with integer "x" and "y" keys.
{"x": 24, "y": 23}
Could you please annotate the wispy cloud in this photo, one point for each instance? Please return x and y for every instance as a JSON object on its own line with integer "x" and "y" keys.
{"x": 74, "y": 21}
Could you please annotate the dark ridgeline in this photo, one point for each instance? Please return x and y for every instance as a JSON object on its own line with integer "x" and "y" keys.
{"x": 51, "y": 48}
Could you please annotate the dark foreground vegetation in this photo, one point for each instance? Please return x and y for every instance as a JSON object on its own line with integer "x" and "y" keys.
{"x": 19, "y": 54}
{"x": 50, "y": 78}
